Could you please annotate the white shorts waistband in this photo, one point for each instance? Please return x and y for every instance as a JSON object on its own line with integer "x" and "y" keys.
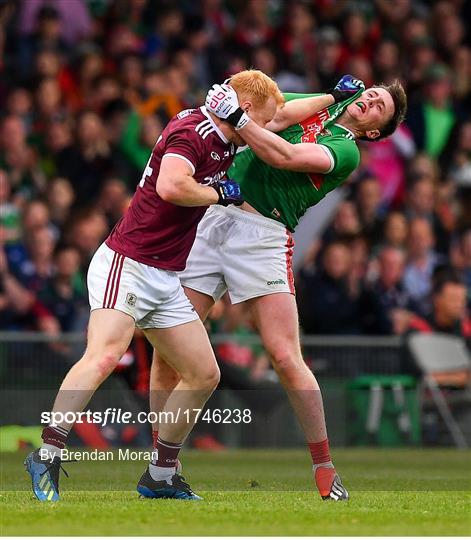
{"x": 248, "y": 217}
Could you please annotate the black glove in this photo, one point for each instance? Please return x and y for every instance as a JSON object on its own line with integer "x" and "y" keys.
{"x": 229, "y": 192}
{"x": 346, "y": 88}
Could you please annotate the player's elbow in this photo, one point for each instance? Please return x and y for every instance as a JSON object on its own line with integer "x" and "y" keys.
{"x": 281, "y": 161}
{"x": 171, "y": 192}
{"x": 168, "y": 193}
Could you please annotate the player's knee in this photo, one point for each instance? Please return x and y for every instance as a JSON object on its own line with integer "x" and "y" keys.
{"x": 103, "y": 362}
{"x": 287, "y": 361}
{"x": 207, "y": 378}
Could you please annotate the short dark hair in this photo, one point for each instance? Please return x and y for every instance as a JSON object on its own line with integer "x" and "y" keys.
{"x": 442, "y": 276}
{"x": 399, "y": 97}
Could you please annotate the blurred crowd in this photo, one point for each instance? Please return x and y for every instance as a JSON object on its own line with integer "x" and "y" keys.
{"x": 86, "y": 87}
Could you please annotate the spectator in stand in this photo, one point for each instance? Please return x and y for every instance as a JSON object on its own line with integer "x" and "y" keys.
{"x": 138, "y": 138}
{"x": 359, "y": 39}
{"x": 63, "y": 294}
{"x": 421, "y": 263}
{"x": 449, "y": 29}
{"x": 10, "y": 218}
{"x": 421, "y": 56}
{"x": 114, "y": 200}
{"x": 457, "y": 162}
{"x": 329, "y": 41}
{"x": 432, "y": 119}
{"x": 386, "y": 62}
{"x": 326, "y": 303}
{"x": 387, "y": 305}
{"x": 462, "y": 73}
{"x": 253, "y": 26}
{"x": 460, "y": 257}
{"x": 20, "y": 104}
{"x": 86, "y": 232}
{"x": 72, "y": 17}
{"x": 19, "y": 159}
{"x": 449, "y": 309}
{"x": 396, "y": 230}
{"x": 297, "y": 45}
{"x": 44, "y": 33}
{"x": 421, "y": 202}
{"x": 87, "y": 163}
{"x": 19, "y": 307}
{"x": 60, "y": 198}
{"x": 346, "y": 223}
{"x": 36, "y": 267}
{"x": 368, "y": 202}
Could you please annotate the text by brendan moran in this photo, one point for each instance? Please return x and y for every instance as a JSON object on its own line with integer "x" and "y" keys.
{"x": 122, "y": 454}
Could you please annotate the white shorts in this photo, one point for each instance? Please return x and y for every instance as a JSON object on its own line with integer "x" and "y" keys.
{"x": 246, "y": 254}
{"x": 153, "y": 297}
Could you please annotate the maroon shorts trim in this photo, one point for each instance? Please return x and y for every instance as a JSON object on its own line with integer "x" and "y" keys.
{"x": 112, "y": 284}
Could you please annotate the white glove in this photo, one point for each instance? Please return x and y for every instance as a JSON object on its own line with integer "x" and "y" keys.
{"x": 222, "y": 101}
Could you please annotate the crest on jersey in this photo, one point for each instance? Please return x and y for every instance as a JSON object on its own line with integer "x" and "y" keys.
{"x": 215, "y": 156}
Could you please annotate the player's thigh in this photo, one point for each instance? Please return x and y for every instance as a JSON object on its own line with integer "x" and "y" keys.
{"x": 276, "y": 318}
{"x": 186, "y": 348}
{"x": 110, "y": 331}
{"x": 200, "y": 301}
{"x": 257, "y": 258}
{"x": 203, "y": 272}
{"x": 162, "y": 374}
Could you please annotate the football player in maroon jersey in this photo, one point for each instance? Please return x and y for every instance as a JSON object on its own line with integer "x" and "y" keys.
{"x": 132, "y": 281}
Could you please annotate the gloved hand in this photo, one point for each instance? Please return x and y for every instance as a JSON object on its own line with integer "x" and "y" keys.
{"x": 346, "y": 88}
{"x": 222, "y": 101}
{"x": 229, "y": 192}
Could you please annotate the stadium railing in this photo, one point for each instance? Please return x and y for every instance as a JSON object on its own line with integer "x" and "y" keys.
{"x": 32, "y": 366}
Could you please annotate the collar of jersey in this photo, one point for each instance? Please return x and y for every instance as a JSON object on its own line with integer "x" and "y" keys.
{"x": 211, "y": 121}
{"x": 346, "y": 129}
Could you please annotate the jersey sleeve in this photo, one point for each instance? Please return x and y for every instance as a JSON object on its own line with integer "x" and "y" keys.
{"x": 185, "y": 144}
{"x": 345, "y": 154}
{"x": 289, "y": 96}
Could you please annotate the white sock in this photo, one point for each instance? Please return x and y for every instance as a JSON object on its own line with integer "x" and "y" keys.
{"x": 161, "y": 473}
{"x": 327, "y": 464}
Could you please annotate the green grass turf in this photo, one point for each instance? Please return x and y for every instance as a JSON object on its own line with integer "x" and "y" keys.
{"x": 257, "y": 492}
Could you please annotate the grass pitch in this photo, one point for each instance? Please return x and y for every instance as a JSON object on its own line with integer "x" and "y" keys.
{"x": 255, "y": 492}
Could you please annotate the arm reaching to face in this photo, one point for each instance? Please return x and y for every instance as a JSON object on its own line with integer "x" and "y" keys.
{"x": 222, "y": 101}
{"x": 305, "y": 157}
{"x": 298, "y": 109}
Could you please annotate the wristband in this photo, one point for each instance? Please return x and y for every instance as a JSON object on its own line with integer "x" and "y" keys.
{"x": 238, "y": 119}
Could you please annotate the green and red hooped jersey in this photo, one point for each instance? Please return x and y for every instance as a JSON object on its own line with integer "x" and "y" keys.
{"x": 286, "y": 195}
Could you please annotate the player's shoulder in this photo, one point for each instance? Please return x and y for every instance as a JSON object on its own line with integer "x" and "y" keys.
{"x": 195, "y": 122}
{"x": 344, "y": 151}
{"x": 186, "y": 120}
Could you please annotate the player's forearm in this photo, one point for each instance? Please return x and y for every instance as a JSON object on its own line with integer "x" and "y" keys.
{"x": 187, "y": 192}
{"x": 269, "y": 147}
{"x": 297, "y": 110}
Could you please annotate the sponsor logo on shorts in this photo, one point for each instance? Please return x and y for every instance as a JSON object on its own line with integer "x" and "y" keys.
{"x": 131, "y": 299}
{"x": 277, "y": 282}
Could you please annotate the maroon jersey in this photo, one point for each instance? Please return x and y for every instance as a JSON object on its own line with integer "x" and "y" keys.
{"x": 159, "y": 233}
